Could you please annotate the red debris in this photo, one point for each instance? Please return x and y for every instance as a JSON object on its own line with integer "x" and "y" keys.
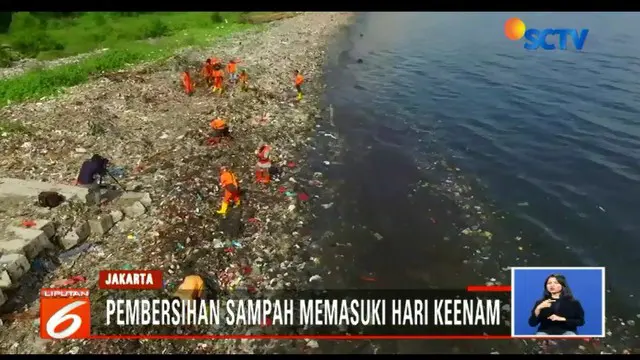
{"x": 433, "y": 220}
{"x": 291, "y": 164}
{"x": 367, "y": 278}
{"x": 28, "y": 223}
{"x": 229, "y": 250}
{"x": 247, "y": 270}
{"x": 70, "y": 281}
{"x": 251, "y": 289}
{"x": 267, "y": 322}
{"x": 282, "y": 189}
{"x": 303, "y": 196}
{"x": 253, "y": 220}
{"x": 213, "y": 140}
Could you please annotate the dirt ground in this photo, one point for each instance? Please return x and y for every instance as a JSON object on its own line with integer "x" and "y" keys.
{"x": 142, "y": 120}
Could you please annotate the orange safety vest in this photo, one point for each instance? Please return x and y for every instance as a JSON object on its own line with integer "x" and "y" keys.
{"x": 218, "y": 124}
{"x": 263, "y": 157}
{"x": 207, "y": 70}
{"x": 191, "y": 288}
{"x": 186, "y": 80}
{"x": 231, "y": 68}
{"x": 299, "y": 79}
{"x": 226, "y": 179}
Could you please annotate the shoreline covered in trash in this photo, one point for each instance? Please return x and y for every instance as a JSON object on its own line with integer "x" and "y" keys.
{"x": 157, "y": 137}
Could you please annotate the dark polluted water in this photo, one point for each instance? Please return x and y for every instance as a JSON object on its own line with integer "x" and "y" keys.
{"x": 434, "y": 128}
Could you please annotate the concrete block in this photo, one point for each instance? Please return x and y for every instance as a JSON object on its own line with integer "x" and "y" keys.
{"x": 83, "y": 231}
{"x": 134, "y": 210}
{"x": 5, "y": 280}
{"x": 3, "y": 298}
{"x": 31, "y": 188}
{"x": 16, "y": 265}
{"x": 70, "y": 240}
{"x": 116, "y": 216}
{"x": 15, "y": 246}
{"x": 101, "y": 225}
{"x": 46, "y": 226}
{"x": 145, "y": 200}
{"x": 34, "y": 241}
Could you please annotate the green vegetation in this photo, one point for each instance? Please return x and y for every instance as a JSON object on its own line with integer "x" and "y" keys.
{"x": 126, "y": 35}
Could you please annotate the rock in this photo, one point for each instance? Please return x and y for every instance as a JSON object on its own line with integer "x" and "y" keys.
{"x": 70, "y": 240}
{"x": 116, "y": 216}
{"x": 135, "y": 210}
{"x": 83, "y": 231}
{"x": 29, "y": 242}
{"x": 5, "y": 280}
{"x": 101, "y": 225}
{"x": 16, "y": 265}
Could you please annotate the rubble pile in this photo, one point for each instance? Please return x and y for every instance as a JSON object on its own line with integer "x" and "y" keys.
{"x": 157, "y": 137}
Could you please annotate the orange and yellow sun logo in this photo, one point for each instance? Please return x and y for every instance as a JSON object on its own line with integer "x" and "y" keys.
{"x": 514, "y": 29}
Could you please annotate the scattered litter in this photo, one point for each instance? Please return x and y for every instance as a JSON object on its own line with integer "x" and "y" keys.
{"x": 524, "y": 203}
{"x": 326, "y": 206}
{"x": 378, "y": 236}
{"x": 601, "y": 209}
{"x": 69, "y": 281}
{"x": 291, "y": 164}
{"x": 28, "y": 223}
{"x": 368, "y": 278}
{"x": 236, "y": 244}
{"x": 303, "y": 196}
{"x": 315, "y": 278}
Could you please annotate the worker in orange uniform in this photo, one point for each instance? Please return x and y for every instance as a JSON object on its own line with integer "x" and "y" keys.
{"x": 231, "y": 190}
{"x": 231, "y": 69}
{"x": 264, "y": 164}
{"x": 191, "y": 288}
{"x": 207, "y": 72}
{"x": 186, "y": 82}
{"x": 244, "y": 80}
{"x": 220, "y": 128}
{"x": 298, "y": 82}
{"x": 218, "y": 78}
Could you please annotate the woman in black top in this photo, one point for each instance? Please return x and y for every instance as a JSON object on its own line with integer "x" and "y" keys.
{"x": 558, "y": 312}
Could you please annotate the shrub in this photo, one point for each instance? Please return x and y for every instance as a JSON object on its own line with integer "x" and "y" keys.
{"x": 216, "y": 18}
{"x": 6, "y": 57}
{"x": 24, "y": 21}
{"x": 30, "y": 43}
{"x": 154, "y": 29}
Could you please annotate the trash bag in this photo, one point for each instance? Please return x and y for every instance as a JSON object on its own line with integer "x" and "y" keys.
{"x": 50, "y": 199}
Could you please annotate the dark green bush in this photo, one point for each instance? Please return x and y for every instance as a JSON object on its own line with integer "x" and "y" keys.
{"x": 154, "y": 29}
{"x": 30, "y": 43}
{"x": 216, "y": 18}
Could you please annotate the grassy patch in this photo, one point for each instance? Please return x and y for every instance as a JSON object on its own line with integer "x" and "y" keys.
{"x": 46, "y": 36}
{"x": 39, "y": 83}
{"x": 131, "y": 38}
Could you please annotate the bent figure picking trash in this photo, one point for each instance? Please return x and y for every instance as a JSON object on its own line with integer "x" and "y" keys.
{"x": 231, "y": 190}
{"x": 298, "y": 83}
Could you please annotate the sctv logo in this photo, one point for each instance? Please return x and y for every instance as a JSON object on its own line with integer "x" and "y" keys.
{"x": 515, "y": 29}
